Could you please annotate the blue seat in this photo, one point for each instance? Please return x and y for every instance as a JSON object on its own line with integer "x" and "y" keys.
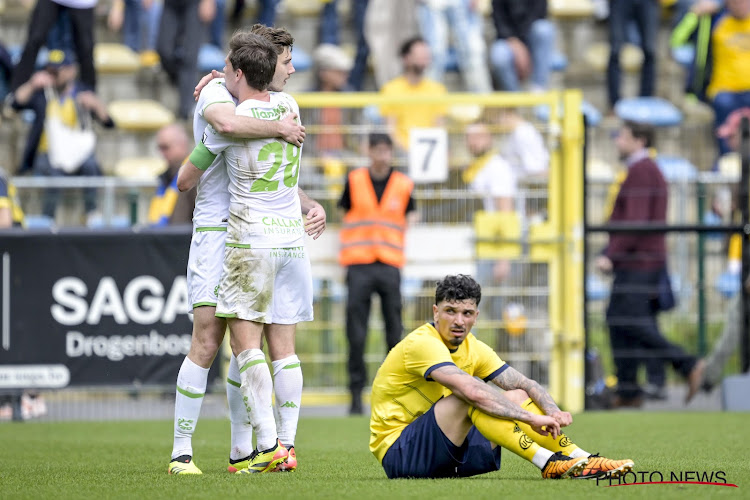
{"x": 684, "y": 55}
{"x": 728, "y": 284}
{"x": 38, "y": 222}
{"x": 116, "y": 221}
{"x": 559, "y": 62}
{"x": 654, "y": 111}
{"x": 15, "y": 52}
{"x": 596, "y": 288}
{"x": 210, "y": 57}
{"x": 593, "y": 115}
{"x": 674, "y": 168}
{"x": 301, "y": 59}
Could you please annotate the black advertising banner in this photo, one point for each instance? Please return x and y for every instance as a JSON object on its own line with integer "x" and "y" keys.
{"x": 93, "y": 308}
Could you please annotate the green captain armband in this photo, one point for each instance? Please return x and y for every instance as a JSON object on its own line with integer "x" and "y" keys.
{"x": 201, "y": 157}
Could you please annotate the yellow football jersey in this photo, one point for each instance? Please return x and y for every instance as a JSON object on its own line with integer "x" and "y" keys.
{"x": 403, "y": 390}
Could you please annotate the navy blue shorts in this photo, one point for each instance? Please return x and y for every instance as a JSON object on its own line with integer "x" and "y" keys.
{"x": 423, "y": 451}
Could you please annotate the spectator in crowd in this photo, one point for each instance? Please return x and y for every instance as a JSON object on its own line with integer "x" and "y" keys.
{"x": 645, "y": 14}
{"x": 61, "y": 132}
{"x": 170, "y": 206}
{"x": 711, "y": 371}
{"x": 139, "y": 21}
{"x": 378, "y": 201}
{"x": 490, "y": 175}
{"x": 266, "y": 11}
{"x": 183, "y": 27}
{"x": 331, "y": 65}
{"x": 329, "y": 34}
{"x": 415, "y": 57}
{"x": 524, "y": 149}
{"x": 43, "y": 18}
{"x": 11, "y": 213}
{"x": 524, "y": 45}
{"x": 6, "y": 69}
{"x": 638, "y": 262}
{"x": 387, "y": 26}
{"x": 723, "y": 59}
{"x": 458, "y": 20}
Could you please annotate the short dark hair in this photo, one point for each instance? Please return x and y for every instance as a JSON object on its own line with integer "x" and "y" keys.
{"x": 255, "y": 56}
{"x": 280, "y": 37}
{"x": 641, "y": 131}
{"x": 408, "y": 44}
{"x": 377, "y": 138}
{"x": 457, "y": 288}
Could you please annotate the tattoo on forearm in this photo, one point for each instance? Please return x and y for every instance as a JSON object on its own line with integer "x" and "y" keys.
{"x": 511, "y": 379}
{"x": 485, "y": 398}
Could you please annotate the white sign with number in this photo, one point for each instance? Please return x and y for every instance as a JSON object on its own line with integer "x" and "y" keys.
{"x": 428, "y": 155}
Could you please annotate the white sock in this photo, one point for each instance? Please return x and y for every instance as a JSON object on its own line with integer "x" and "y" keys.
{"x": 287, "y": 385}
{"x": 257, "y": 392}
{"x": 191, "y": 387}
{"x": 540, "y": 457}
{"x": 578, "y": 452}
{"x": 242, "y": 431}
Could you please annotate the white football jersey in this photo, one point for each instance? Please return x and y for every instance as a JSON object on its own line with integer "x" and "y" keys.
{"x": 212, "y": 199}
{"x": 264, "y": 205}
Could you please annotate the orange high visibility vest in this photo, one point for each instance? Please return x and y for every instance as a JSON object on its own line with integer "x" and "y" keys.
{"x": 374, "y": 231}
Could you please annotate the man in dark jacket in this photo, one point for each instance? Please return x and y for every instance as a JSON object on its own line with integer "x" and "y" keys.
{"x": 525, "y": 43}
{"x": 637, "y": 261}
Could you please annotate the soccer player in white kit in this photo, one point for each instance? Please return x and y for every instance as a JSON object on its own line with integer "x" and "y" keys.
{"x": 216, "y": 106}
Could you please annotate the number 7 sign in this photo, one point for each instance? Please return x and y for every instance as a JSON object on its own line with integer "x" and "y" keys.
{"x": 428, "y": 155}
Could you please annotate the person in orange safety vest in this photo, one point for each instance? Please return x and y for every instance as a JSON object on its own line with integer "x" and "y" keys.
{"x": 378, "y": 201}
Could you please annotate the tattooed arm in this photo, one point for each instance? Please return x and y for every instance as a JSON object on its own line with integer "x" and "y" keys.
{"x": 510, "y": 379}
{"x": 483, "y": 397}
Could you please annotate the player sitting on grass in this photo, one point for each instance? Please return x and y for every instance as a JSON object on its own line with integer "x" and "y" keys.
{"x": 434, "y": 415}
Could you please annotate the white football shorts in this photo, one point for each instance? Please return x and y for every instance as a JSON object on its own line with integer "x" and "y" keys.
{"x": 266, "y": 285}
{"x": 205, "y": 263}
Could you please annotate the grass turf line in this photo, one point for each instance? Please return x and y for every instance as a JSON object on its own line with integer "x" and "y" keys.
{"x": 129, "y": 460}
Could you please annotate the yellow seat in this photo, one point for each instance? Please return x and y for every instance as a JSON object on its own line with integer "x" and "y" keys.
{"x": 142, "y": 115}
{"x": 730, "y": 165}
{"x": 597, "y": 56}
{"x": 465, "y": 113}
{"x": 304, "y": 8}
{"x": 140, "y": 167}
{"x": 571, "y": 9}
{"x": 115, "y": 58}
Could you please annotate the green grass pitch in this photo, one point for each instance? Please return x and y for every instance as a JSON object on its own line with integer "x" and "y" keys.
{"x": 129, "y": 460}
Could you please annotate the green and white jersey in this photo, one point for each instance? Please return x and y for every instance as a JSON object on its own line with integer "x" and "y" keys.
{"x": 212, "y": 200}
{"x": 264, "y": 206}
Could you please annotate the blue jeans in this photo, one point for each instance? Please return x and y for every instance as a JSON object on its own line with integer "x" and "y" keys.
{"x": 329, "y": 23}
{"x": 216, "y": 30}
{"x": 140, "y": 27}
{"x": 468, "y": 41}
{"x": 42, "y": 167}
{"x": 542, "y": 37}
{"x": 724, "y": 103}
{"x": 357, "y": 74}
{"x": 645, "y": 14}
{"x": 267, "y": 13}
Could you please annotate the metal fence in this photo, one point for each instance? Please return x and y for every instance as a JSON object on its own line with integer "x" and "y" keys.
{"x": 532, "y": 318}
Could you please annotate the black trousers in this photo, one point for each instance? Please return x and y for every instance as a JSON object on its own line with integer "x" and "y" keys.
{"x": 634, "y": 332}
{"x": 43, "y": 18}
{"x": 362, "y": 281}
{"x": 181, "y": 34}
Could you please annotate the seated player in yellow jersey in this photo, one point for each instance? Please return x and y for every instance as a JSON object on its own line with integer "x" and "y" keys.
{"x": 434, "y": 415}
